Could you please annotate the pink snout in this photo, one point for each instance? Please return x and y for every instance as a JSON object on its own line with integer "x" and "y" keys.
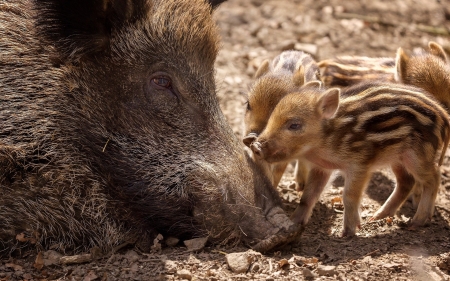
{"x": 249, "y": 139}
{"x": 257, "y": 149}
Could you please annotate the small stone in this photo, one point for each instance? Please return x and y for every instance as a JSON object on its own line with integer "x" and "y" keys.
{"x": 326, "y": 270}
{"x": 240, "y": 262}
{"x": 132, "y": 256}
{"x": 196, "y": 244}
{"x": 184, "y": 274}
{"x": 134, "y": 267}
{"x": 287, "y": 45}
{"x": 308, "y": 273}
{"x": 308, "y": 48}
{"x": 172, "y": 241}
{"x": 51, "y": 257}
{"x": 171, "y": 266}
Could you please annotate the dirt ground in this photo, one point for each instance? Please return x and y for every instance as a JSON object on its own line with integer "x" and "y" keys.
{"x": 254, "y": 30}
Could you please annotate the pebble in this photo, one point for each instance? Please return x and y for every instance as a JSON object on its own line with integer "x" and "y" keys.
{"x": 329, "y": 270}
{"x": 196, "y": 244}
{"x": 184, "y": 274}
{"x": 240, "y": 262}
{"x": 132, "y": 256}
{"x": 170, "y": 266}
{"x": 51, "y": 257}
{"x": 172, "y": 241}
{"x": 308, "y": 273}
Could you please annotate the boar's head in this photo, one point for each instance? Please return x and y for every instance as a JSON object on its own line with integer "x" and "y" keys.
{"x": 126, "y": 135}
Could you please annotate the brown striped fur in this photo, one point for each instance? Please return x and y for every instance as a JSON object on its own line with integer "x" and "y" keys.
{"x": 377, "y": 125}
{"x": 284, "y": 74}
{"x": 345, "y": 71}
{"x": 428, "y": 70}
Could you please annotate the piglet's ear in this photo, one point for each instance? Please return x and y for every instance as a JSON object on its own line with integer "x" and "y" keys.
{"x": 215, "y": 3}
{"x": 299, "y": 77}
{"x": 437, "y": 50}
{"x": 328, "y": 103}
{"x": 401, "y": 63}
{"x": 313, "y": 84}
{"x": 263, "y": 69}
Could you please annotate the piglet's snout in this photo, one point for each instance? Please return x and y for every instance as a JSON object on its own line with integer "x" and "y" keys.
{"x": 249, "y": 139}
{"x": 257, "y": 149}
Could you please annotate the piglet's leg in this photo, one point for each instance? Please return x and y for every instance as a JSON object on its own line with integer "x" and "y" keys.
{"x": 278, "y": 171}
{"x": 315, "y": 184}
{"x": 301, "y": 174}
{"x": 425, "y": 210}
{"x": 355, "y": 183}
{"x": 405, "y": 183}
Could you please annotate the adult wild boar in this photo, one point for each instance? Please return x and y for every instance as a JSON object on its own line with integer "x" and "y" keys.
{"x": 110, "y": 129}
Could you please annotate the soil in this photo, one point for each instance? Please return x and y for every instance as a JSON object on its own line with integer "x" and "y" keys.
{"x": 252, "y": 31}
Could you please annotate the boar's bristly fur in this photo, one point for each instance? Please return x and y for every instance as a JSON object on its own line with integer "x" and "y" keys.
{"x": 110, "y": 129}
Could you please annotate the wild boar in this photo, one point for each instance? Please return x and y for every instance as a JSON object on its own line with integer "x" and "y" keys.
{"x": 111, "y": 131}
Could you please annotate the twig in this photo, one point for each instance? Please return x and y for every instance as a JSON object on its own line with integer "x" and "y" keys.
{"x": 76, "y": 259}
{"x": 373, "y": 252}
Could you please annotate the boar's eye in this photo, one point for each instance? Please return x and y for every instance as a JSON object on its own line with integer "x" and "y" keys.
{"x": 162, "y": 81}
{"x": 295, "y": 127}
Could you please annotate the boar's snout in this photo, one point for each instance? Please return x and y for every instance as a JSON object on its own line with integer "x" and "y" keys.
{"x": 249, "y": 139}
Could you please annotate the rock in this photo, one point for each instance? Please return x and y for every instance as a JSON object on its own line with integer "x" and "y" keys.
{"x": 132, "y": 256}
{"x": 287, "y": 45}
{"x": 240, "y": 262}
{"x": 326, "y": 270}
{"x": 172, "y": 241}
{"x": 184, "y": 274}
{"x": 170, "y": 266}
{"x": 308, "y": 48}
{"x": 134, "y": 267}
{"x": 196, "y": 244}
{"x": 308, "y": 273}
{"x": 51, "y": 257}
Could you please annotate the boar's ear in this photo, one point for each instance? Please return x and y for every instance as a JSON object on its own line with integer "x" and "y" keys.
{"x": 215, "y": 3}
{"x": 328, "y": 103}
{"x": 437, "y": 50}
{"x": 83, "y": 27}
{"x": 401, "y": 62}
{"x": 263, "y": 69}
{"x": 299, "y": 76}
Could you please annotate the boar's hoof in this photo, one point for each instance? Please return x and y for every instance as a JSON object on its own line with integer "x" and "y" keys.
{"x": 249, "y": 139}
{"x": 286, "y": 231}
{"x": 256, "y": 148}
{"x": 283, "y": 237}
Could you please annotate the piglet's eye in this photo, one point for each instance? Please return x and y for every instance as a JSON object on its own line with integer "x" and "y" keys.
{"x": 162, "y": 82}
{"x": 248, "y": 106}
{"x": 295, "y": 127}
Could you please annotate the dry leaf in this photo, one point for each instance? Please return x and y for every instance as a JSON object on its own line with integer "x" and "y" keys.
{"x": 389, "y": 220}
{"x": 14, "y": 266}
{"x": 310, "y": 260}
{"x": 39, "y": 262}
{"x": 336, "y": 200}
{"x": 21, "y": 238}
{"x": 90, "y": 276}
{"x": 282, "y": 263}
